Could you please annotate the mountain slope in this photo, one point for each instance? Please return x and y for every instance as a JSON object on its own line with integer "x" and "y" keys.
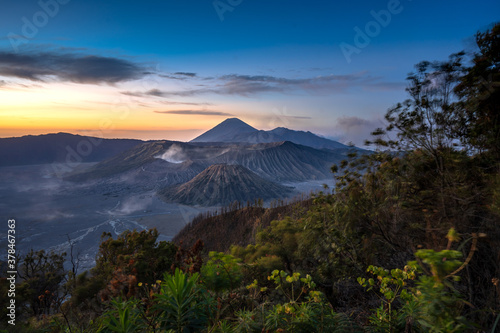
{"x": 225, "y": 131}
{"x": 60, "y": 148}
{"x": 284, "y": 161}
{"x": 235, "y": 227}
{"x": 306, "y": 139}
{"x": 221, "y": 184}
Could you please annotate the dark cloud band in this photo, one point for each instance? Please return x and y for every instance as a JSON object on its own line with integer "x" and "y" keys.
{"x": 68, "y": 67}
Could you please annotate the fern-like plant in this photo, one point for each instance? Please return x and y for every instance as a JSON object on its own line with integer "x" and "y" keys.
{"x": 180, "y": 304}
{"x": 122, "y": 317}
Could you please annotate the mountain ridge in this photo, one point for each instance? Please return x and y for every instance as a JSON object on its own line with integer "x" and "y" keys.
{"x": 244, "y": 133}
{"x": 59, "y": 148}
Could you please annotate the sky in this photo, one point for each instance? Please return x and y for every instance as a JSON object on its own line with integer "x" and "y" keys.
{"x": 174, "y": 69}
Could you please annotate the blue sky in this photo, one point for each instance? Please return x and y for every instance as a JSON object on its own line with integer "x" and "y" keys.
{"x": 172, "y": 69}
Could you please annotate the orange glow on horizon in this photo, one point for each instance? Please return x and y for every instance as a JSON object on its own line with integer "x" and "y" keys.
{"x": 104, "y": 122}
{"x": 103, "y": 111}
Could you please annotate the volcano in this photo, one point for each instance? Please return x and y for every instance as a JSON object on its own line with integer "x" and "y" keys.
{"x": 235, "y": 130}
{"x": 226, "y": 131}
{"x": 221, "y": 184}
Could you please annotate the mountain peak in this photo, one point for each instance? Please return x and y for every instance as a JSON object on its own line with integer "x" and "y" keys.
{"x": 234, "y": 120}
{"x": 226, "y": 130}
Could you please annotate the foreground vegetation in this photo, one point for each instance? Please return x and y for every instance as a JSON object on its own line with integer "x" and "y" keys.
{"x": 407, "y": 241}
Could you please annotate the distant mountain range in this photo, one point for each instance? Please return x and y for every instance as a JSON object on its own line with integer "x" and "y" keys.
{"x": 60, "y": 148}
{"x": 222, "y": 184}
{"x": 232, "y": 161}
{"x": 235, "y": 130}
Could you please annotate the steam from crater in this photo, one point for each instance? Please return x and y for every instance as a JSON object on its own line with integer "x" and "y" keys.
{"x": 174, "y": 154}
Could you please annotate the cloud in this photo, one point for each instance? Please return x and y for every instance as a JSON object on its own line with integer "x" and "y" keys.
{"x": 281, "y": 118}
{"x": 132, "y": 93}
{"x": 246, "y": 85}
{"x": 196, "y": 112}
{"x": 184, "y": 103}
{"x": 133, "y": 204}
{"x": 185, "y": 93}
{"x": 154, "y": 92}
{"x": 70, "y": 67}
{"x": 178, "y": 75}
{"x": 185, "y": 74}
{"x": 169, "y": 132}
{"x": 353, "y": 122}
{"x": 230, "y": 88}
{"x": 159, "y": 93}
{"x": 298, "y": 117}
{"x": 354, "y": 129}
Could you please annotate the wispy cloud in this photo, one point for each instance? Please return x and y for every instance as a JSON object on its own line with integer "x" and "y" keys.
{"x": 186, "y": 74}
{"x": 159, "y": 93}
{"x": 184, "y": 103}
{"x": 247, "y": 85}
{"x": 178, "y": 75}
{"x": 80, "y": 68}
{"x": 132, "y": 93}
{"x": 154, "y": 92}
{"x": 355, "y": 129}
{"x": 196, "y": 112}
{"x": 298, "y": 117}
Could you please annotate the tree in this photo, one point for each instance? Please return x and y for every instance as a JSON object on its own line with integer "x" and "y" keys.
{"x": 479, "y": 107}
{"x": 121, "y": 263}
{"x": 41, "y": 274}
{"x": 426, "y": 120}
{"x": 133, "y": 257}
{"x": 446, "y": 174}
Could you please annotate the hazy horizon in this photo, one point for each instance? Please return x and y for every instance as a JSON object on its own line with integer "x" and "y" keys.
{"x": 110, "y": 135}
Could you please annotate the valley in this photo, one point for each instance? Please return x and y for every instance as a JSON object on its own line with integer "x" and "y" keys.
{"x": 49, "y": 211}
{"x": 62, "y": 201}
